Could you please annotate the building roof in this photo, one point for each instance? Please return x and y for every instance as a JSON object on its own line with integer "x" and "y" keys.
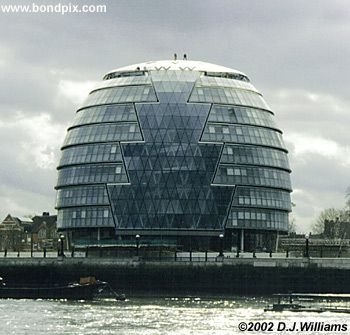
{"x": 177, "y": 65}
{"x": 10, "y": 223}
{"x": 49, "y": 220}
{"x": 23, "y": 220}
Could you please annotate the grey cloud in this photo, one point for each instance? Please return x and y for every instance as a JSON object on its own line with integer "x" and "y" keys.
{"x": 27, "y": 89}
{"x": 18, "y": 170}
{"x": 19, "y": 201}
{"x": 326, "y": 116}
{"x": 319, "y": 174}
{"x": 319, "y": 183}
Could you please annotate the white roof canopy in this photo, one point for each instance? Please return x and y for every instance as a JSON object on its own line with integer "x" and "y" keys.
{"x": 177, "y": 65}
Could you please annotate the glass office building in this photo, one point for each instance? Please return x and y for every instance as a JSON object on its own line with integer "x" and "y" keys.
{"x": 177, "y": 151}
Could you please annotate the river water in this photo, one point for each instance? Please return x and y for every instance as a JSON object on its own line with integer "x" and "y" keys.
{"x": 151, "y": 316}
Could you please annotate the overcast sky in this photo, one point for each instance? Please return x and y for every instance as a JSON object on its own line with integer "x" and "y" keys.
{"x": 297, "y": 53}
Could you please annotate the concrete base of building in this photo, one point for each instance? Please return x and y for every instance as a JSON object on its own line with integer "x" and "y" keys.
{"x": 232, "y": 239}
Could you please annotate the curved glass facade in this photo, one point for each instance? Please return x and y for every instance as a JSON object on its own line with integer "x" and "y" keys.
{"x": 172, "y": 151}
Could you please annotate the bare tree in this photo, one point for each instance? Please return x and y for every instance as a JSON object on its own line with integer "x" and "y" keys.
{"x": 330, "y": 214}
{"x": 292, "y": 226}
{"x": 347, "y": 199}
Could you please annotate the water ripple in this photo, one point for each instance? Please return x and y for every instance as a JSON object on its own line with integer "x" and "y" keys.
{"x": 147, "y": 316}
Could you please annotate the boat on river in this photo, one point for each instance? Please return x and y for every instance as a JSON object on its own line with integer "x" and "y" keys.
{"x": 86, "y": 289}
{"x": 308, "y": 302}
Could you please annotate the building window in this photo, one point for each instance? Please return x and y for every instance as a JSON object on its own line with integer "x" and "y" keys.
{"x": 229, "y": 171}
{"x": 225, "y": 130}
{"x": 113, "y": 149}
{"x": 211, "y": 129}
{"x": 106, "y": 213}
{"x": 118, "y": 169}
{"x": 132, "y": 128}
{"x": 229, "y": 151}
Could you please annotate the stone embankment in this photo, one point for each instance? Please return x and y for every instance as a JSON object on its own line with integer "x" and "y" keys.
{"x": 217, "y": 275}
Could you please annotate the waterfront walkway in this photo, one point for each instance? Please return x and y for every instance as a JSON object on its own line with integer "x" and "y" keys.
{"x": 181, "y": 259}
{"x": 180, "y": 256}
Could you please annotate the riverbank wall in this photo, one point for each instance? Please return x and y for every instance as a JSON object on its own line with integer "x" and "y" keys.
{"x": 222, "y": 276}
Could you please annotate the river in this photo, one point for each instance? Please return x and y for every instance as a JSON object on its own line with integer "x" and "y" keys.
{"x": 153, "y": 316}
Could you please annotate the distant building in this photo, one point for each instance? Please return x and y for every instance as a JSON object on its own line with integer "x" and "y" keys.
{"x": 44, "y": 231}
{"x": 337, "y": 229}
{"x": 14, "y": 232}
{"x": 18, "y": 233}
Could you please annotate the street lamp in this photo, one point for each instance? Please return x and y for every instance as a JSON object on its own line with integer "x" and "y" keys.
{"x": 61, "y": 240}
{"x": 221, "y": 238}
{"x": 137, "y": 243}
{"x": 44, "y": 250}
{"x": 31, "y": 245}
{"x": 307, "y": 253}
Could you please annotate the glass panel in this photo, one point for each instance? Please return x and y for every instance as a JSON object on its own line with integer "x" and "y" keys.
{"x": 258, "y": 219}
{"x": 103, "y": 133}
{"x": 105, "y": 113}
{"x": 225, "y": 95}
{"x": 121, "y": 94}
{"x": 242, "y": 115}
{"x": 242, "y": 134}
{"x": 91, "y": 153}
{"x": 82, "y": 195}
{"x": 243, "y": 154}
{"x": 224, "y": 82}
{"x": 262, "y": 197}
{"x": 170, "y": 174}
{"x": 90, "y": 174}
{"x": 253, "y": 175}
{"x": 85, "y": 217}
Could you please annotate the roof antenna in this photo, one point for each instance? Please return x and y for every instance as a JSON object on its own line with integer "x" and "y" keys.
{"x": 185, "y": 57}
{"x": 175, "y": 56}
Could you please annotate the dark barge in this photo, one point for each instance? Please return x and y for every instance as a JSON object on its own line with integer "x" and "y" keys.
{"x": 86, "y": 289}
{"x": 315, "y": 303}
